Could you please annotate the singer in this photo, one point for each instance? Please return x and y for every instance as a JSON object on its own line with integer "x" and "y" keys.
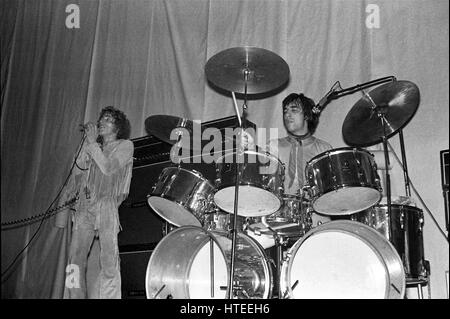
{"x": 102, "y": 180}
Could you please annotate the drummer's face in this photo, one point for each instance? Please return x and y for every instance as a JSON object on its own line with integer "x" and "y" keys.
{"x": 294, "y": 120}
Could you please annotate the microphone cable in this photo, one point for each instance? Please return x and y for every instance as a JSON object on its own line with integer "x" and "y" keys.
{"x": 46, "y": 212}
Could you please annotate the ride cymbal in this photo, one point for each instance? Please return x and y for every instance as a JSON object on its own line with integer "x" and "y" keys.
{"x": 396, "y": 101}
{"x": 260, "y": 69}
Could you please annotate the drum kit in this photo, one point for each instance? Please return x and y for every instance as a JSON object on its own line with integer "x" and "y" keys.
{"x": 224, "y": 231}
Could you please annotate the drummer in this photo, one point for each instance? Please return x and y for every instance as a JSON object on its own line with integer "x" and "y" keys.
{"x": 300, "y": 145}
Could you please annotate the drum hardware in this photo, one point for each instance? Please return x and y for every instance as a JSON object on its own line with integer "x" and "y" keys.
{"x": 235, "y": 286}
{"x": 393, "y": 105}
{"x": 286, "y": 293}
{"x": 159, "y": 291}
{"x": 211, "y": 265}
{"x": 247, "y": 70}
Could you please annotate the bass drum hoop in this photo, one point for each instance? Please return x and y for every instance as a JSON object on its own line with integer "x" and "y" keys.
{"x": 394, "y": 289}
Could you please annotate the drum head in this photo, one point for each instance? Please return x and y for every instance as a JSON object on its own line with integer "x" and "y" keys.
{"x": 172, "y": 212}
{"x": 343, "y": 259}
{"x": 180, "y": 265}
{"x": 191, "y": 263}
{"x": 346, "y": 200}
{"x": 253, "y": 201}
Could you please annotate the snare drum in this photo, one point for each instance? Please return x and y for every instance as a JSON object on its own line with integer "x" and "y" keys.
{"x": 289, "y": 223}
{"x": 223, "y": 221}
{"x": 403, "y": 228}
{"x": 182, "y": 197}
{"x": 293, "y": 219}
{"x": 260, "y": 187}
{"x": 343, "y": 181}
{"x": 342, "y": 259}
{"x": 192, "y": 263}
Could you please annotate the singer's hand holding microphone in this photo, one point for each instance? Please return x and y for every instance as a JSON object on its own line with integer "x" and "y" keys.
{"x": 91, "y": 131}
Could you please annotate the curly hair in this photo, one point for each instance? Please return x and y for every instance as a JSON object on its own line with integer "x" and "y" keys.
{"x": 121, "y": 122}
{"x": 307, "y": 106}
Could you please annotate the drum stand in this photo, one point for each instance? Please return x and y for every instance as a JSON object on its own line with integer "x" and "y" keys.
{"x": 279, "y": 243}
{"x": 381, "y": 115}
{"x": 239, "y": 157}
{"x": 419, "y": 282}
{"x": 414, "y": 282}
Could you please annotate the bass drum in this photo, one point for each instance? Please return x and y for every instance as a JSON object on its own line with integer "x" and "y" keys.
{"x": 193, "y": 263}
{"x": 342, "y": 259}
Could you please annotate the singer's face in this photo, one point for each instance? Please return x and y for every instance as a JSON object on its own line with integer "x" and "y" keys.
{"x": 294, "y": 120}
{"x": 106, "y": 125}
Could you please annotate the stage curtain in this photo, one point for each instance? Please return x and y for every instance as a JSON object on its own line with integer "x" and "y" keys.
{"x": 147, "y": 57}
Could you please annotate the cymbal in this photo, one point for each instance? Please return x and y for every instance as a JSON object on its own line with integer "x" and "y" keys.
{"x": 165, "y": 127}
{"x": 397, "y": 101}
{"x": 265, "y": 70}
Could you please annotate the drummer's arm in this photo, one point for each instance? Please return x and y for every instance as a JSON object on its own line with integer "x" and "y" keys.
{"x": 247, "y": 140}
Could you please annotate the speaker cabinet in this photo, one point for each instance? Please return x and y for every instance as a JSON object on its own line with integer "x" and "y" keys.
{"x": 140, "y": 224}
{"x": 133, "y": 267}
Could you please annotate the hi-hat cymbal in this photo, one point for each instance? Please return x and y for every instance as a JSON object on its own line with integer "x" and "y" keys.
{"x": 265, "y": 70}
{"x": 165, "y": 127}
{"x": 397, "y": 101}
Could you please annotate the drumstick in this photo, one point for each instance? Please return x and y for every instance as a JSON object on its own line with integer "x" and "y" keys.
{"x": 236, "y": 109}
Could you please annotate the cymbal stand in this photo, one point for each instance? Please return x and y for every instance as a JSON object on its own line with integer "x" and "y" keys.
{"x": 279, "y": 242}
{"x": 379, "y": 111}
{"x": 404, "y": 164}
{"x": 240, "y": 153}
{"x": 406, "y": 217}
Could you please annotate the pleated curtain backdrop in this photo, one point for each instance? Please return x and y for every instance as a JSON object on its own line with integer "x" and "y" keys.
{"x": 147, "y": 57}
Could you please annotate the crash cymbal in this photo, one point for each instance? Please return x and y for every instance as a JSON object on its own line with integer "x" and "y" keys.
{"x": 165, "y": 128}
{"x": 397, "y": 101}
{"x": 265, "y": 70}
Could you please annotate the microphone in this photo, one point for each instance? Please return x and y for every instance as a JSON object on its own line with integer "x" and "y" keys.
{"x": 323, "y": 101}
{"x": 83, "y": 127}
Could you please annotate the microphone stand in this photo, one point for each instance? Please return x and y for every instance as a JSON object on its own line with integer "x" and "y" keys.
{"x": 360, "y": 87}
{"x": 404, "y": 164}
